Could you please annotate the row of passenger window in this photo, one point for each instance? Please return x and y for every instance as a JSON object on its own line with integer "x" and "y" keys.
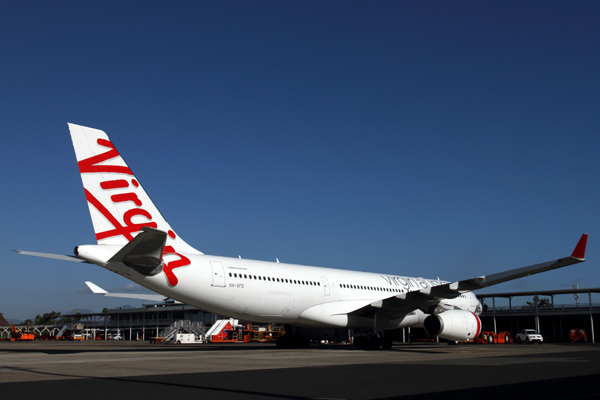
{"x": 361, "y": 287}
{"x": 270, "y": 279}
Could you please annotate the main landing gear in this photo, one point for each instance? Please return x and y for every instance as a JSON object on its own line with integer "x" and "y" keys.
{"x": 291, "y": 340}
{"x": 373, "y": 341}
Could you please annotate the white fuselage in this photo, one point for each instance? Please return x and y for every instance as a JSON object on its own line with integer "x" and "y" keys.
{"x": 263, "y": 291}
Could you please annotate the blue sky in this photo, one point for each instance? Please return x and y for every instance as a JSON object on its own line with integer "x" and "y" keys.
{"x": 448, "y": 139}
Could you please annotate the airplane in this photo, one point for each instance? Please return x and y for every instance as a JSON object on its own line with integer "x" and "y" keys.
{"x": 135, "y": 241}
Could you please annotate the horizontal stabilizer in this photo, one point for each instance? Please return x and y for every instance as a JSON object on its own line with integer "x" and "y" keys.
{"x": 151, "y": 297}
{"x": 50, "y": 255}
{"x": 95, "y": 288}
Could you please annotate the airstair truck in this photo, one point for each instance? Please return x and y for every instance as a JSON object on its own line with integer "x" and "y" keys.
{"x": 71, "y": 332}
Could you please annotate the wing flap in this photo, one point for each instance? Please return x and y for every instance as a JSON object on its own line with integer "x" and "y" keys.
{"x": 392, "y": 307}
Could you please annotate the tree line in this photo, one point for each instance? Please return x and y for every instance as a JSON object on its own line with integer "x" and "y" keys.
{"x": 50, "y": 319}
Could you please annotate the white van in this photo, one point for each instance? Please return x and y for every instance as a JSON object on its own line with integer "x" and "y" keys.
{"x": 184, "y": 338}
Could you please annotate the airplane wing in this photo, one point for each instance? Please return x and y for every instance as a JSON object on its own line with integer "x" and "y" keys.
{"x": 152, "y": 297}
{"x": 480, "y": 282}
{"x": 428, "y": 299}
{"x": 50, "y": 255}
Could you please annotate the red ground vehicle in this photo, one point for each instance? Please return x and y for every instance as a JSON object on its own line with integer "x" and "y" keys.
{"x": 17, "y": 335}
{"x": 578, "y": 335}
{"x": 488, "y": 337}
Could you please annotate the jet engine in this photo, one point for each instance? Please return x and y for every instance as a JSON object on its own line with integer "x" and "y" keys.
{"x": 453, "y": 325}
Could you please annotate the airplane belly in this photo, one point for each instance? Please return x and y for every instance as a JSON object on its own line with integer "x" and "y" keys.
{"x": 276, "y": 303}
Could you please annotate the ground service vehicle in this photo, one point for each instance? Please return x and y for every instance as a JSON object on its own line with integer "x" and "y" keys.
{"x": 578, "y": 335}
{"x": 17, "y": 335}
{"x": 184, "y": 338}
{"x": 529, "y": 336}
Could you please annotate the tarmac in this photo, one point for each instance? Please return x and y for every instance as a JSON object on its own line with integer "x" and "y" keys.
{"x": 126, "y": 370}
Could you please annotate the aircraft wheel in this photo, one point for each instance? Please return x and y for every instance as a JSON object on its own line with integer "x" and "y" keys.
{"x": 282, "y": 342}
{"x": 373, "y": 342}
{"x": 361, "y": 342}
{"x": 303, "y": 342}
{"x": 386, "y": 343}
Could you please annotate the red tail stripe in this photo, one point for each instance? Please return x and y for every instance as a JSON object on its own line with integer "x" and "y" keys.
{"x": 169, "y": 267}
{"x": 116, "y": 184}
{"x": 92, "y": 164}
{"x": 118, "y": 227}
{"x": 119, "y": 198}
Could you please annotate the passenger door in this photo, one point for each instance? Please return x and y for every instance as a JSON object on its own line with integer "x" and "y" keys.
{"x": 218, "y": 274}
{"x": 325, "y": 285}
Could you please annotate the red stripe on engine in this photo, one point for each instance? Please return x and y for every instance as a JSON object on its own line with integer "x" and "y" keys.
{"x": 478, "y": 324}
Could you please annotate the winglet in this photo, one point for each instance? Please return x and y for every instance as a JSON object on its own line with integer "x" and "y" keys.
{"x": 579, "y": 251}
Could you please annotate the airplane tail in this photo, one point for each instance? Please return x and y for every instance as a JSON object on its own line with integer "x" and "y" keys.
{"x": 118, "y": 204}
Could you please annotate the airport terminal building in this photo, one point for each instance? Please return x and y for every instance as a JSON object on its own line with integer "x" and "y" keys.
{"x": 553, "y": 313}
{"x": 553, "y": 319}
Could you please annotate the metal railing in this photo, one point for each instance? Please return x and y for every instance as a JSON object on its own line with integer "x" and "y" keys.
{"x": 184, "y": 326}
{"x": 556, "y": 308}
{"x": 123, "y": 323}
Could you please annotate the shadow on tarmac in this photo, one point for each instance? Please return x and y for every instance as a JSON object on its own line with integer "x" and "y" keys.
{"x": 54, "y": 348}
{"x": 346, "y": 382}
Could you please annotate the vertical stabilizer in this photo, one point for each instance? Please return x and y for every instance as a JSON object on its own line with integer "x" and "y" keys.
{"x": 118, "y": 204}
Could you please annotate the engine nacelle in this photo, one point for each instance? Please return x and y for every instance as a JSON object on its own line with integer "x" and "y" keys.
{"x": 453, "y": 325}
